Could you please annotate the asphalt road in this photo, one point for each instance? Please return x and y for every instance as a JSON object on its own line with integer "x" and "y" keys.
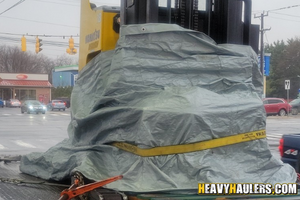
{"x": 278, "y": 126}
{"x": 24, "y": 133}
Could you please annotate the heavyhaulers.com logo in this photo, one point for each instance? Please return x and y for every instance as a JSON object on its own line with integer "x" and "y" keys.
{"x": 247, "y": 189}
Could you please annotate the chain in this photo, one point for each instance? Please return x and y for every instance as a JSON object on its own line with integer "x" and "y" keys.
{"x": 77, "y": 175}
{"x": 7, "y": 159}
{"x": 10, "y": 180}
{"x": 21, "y": 181}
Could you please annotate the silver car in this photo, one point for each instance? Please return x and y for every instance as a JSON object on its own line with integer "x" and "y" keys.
{"x": 295, "y": 106}
{"x": 13, "y": 103}
{"x": 56, "y": 104}
{"x": 33, "y": 106}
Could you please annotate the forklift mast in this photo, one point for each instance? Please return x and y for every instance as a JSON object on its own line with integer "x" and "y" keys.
{"x": 225, "y": 21}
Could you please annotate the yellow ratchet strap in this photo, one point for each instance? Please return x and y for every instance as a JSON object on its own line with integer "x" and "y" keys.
{"x": 186, "y": 148}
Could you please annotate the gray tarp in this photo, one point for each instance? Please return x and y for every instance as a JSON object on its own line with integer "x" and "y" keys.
{"x": 164, "y": 85}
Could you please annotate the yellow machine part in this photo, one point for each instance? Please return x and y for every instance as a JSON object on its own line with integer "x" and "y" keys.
{"x": 96, "y": 31}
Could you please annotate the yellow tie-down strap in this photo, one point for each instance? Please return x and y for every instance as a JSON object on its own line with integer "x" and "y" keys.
{"x": 186, "y": 148}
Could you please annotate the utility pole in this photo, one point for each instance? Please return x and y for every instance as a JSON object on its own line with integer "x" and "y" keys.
{"x": 262, "y": 31}
{"x": 262, "y": 54}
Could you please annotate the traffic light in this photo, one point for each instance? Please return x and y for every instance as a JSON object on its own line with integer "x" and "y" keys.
{"x": 71, "y": 50}
{"x": 38, "y": 45}
{"x": 23, "y": 43}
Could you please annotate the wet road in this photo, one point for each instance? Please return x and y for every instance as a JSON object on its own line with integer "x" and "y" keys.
{"x": 277, "y": 126}
{"x": 24, "y": 133}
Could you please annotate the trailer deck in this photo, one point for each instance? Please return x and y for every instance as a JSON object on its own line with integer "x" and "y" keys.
{"x": 15, "y": 185}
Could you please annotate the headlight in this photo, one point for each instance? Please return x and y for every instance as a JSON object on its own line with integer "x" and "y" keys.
{"x": 44, "y": 107}
{"x": 30, "y": 107}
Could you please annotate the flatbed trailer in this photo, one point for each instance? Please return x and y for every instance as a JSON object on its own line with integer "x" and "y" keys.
{"x": 16, "y": 185}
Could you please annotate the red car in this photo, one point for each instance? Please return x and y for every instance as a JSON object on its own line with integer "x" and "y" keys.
{"x": 277, "y": 106}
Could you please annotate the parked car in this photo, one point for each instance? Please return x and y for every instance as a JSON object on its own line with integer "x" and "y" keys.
{"x": 33, "y": 106}
{"x": 276, "y": 106}
{"x": 56, "y": 104}
{"x": 13, "y": 103}
{"x": 1, "y": 103}
{"x": 295, "y": 106}
{"x": 66, "y": 100}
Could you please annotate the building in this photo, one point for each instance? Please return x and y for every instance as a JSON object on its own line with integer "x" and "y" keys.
{"x": 25, "y": 86}
{"x": 64, "y": 76}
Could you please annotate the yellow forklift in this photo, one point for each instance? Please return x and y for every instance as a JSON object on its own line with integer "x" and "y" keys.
{"x": 149, "y": 114}
{"x": 225, "y": 21}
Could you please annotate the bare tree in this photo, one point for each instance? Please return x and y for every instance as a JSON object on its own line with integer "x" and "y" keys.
{"x": 13, "y": 60}
{"x": 63, "y": 60}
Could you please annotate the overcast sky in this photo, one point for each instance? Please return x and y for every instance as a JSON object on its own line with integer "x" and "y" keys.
{"x": 59, "y": 19}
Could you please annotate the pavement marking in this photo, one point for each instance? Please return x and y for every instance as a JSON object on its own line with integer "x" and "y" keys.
{"x": 53, "y": 114}
{"x": 24, "y": 144}
{"x": 2, "y": 147}
{"x": 274, "y": 136}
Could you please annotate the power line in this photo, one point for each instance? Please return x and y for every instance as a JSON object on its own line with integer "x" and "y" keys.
{"x": 262, "y": 31}
{"x": 283, "y": 8}
{"x": 77, "y": 5}
{"x": 267, "y": 38}
{"x": 42, "y": 22}
{"x": 44, "y": 35}
{"x": 284, "y": 19}
{"x": 285, "y": 14}
{"x": 57, "y": 3}
{"x": 51, "y": 43}
{"x": 21, "y": 1}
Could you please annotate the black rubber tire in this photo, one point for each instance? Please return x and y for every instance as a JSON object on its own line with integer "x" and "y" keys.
{"x": 282, "y": 112}
{"x": 295, "y": 111}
